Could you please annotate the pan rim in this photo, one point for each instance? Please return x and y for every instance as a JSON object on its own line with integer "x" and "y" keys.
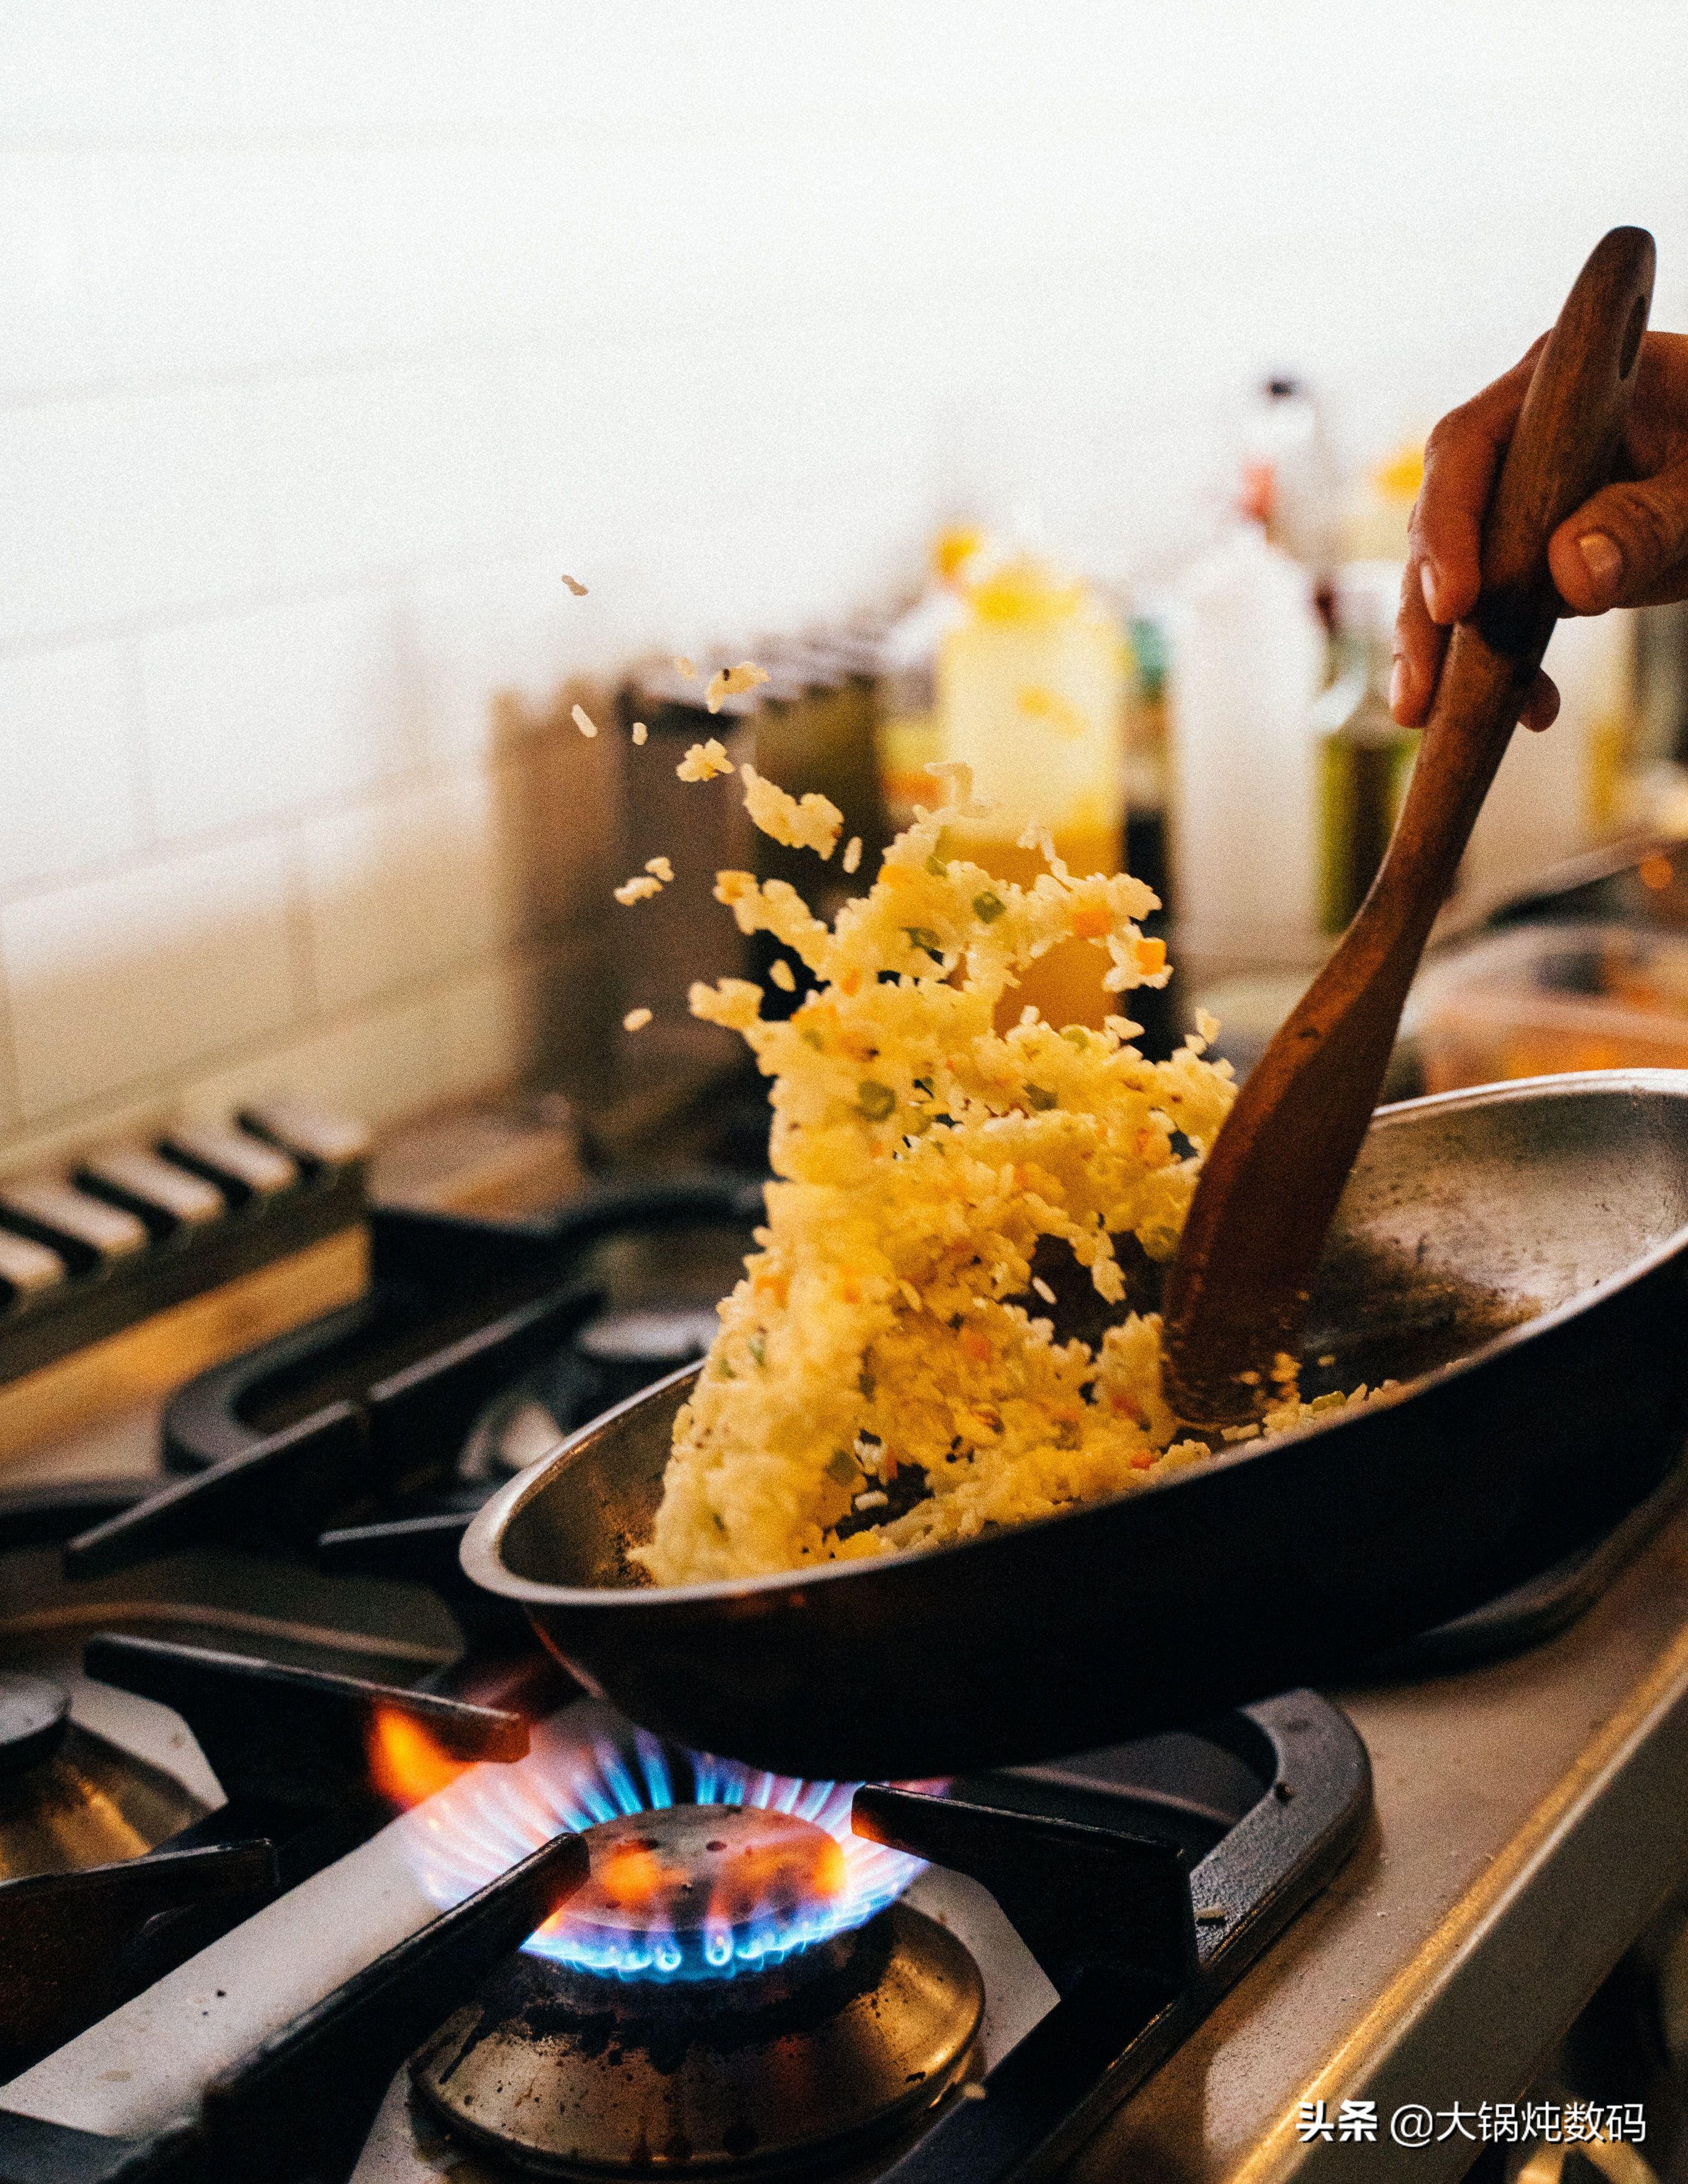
{"x": 481, "y": 1552}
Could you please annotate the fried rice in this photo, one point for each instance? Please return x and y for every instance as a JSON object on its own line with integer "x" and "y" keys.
{"x": 887, "y": 1374}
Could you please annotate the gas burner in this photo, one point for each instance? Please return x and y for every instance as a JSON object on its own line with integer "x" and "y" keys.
{"x": 572, "y": 2074}
{"x": 1066, "y": 1925}
{"x": 701, "y": 1892}
{"x": 34, "y": 1716}
{"x": 656, "y": 2017}
{"x": 70, "y": 1799}
{"x": 702, "y": 1870}
{"x": 612, "y": 1357}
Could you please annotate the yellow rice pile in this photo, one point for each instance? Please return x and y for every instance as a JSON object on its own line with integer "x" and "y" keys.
{"x": 887, "y": 1319}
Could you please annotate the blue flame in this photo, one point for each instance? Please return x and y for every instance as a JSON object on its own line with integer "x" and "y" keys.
{"x": 585, "y": 1767}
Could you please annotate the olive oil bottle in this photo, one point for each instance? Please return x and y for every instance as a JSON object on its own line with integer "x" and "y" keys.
{"x": 1364, "y": 760}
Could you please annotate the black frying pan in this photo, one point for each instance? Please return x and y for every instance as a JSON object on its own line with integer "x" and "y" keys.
{"x": 1517, "y": 1255}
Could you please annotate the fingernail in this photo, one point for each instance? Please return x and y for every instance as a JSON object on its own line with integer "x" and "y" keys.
{"x": 1398, "y": 683}
{"x": 1427, "y": 584}
{"x": 1602, "y": 559}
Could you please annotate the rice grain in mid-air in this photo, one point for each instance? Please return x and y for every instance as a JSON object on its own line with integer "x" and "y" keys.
{"x": 639, "y": 888}
{"x": 640, "y": 731}
{"x": 636, "y": 1020}
{"x": 583, "y": 720}
{"x": 661, "y": 865}
{"x": 780, "y": 972}
{"x": 851, "y": 859}
{"x": 729, "y": 682}
{"x": 810, "y": 821}
{"x": 704, "y": 762}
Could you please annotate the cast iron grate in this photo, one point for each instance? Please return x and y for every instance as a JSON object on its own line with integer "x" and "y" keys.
{"x": 290, "y": 1748}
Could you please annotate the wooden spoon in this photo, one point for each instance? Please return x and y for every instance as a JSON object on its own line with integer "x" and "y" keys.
{"x": 1270, "y": 1184}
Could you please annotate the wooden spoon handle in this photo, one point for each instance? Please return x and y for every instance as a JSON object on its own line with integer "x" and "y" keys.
{"x": 1270, "y": 1182}
{"x": 1565, "y": 446}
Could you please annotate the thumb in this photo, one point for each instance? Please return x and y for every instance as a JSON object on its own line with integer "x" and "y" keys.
{"x": 1622, "y": 542}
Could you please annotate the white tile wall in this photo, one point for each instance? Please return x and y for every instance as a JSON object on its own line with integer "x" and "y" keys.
{"x": 400, "y": 891}
{"x": 70, "y": 759}
{"x": 255, "y": 715}
{"x": 335, "y": 333}
{"x": 122, "y": 979}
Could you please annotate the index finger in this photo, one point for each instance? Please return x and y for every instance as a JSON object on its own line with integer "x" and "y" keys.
{"x": 1461, "y": 459}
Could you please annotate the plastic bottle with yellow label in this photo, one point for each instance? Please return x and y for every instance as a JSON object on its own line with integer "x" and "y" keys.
{"x": 1032, "y": 689}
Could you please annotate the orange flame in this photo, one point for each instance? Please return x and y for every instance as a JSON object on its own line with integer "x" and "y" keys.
{"x": 759, "y": 1878}
{"x": 635, "y": 1878}
{"x": 406, "y": 1762}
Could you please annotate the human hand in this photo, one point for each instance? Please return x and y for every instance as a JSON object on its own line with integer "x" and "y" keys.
{"x": 1626, "y": 546}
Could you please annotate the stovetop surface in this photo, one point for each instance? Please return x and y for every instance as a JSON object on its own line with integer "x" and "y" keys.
{"x": 1527, "y": 1824}
{"x": 1525, "y": 1828}
{"x": 1429, "y": 1967}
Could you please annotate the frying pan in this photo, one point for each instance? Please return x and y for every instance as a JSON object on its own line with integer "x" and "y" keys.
{"x": 1515, "y": 1256}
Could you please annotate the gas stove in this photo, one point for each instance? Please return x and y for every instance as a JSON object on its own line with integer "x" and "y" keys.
{"x": 743, "y": 1974}
{"x": 312, "y": 1866}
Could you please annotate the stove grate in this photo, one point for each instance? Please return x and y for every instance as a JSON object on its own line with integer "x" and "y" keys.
{"x": 300, "y": 2106}
{"x": 290, "y": 1748}
{"x": 1135, "y": 1977}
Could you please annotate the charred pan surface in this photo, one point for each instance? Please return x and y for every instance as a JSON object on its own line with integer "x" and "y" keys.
{"x": 1382, "y": 1312}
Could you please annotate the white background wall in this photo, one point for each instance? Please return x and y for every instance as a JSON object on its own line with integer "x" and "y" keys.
{"x": 333, "y": 332}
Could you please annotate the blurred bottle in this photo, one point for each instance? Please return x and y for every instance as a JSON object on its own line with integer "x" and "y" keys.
{"x": 1374, "y": 528}
{"x": 1558, "y": 794}
{"x": 1365, "y": 762}
{"x": 1649, "y": 790}
{"x": 910, "y": 738}
{"x": 1148, "y": 759}
{"x": 1147, "y": 853}
{"x": 1249, "y": 656}
{"x": 1290, "y": 483}
{"x": 816, "y": 727}
{"x": 1032, "y": 691}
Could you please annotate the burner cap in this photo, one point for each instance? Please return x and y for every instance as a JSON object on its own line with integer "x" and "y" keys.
{"x": 33, "y": 1715}
{"x": 659, "y": 1340}
{"x": 570, "y": 2075}
{"x": 620, "y": 1352}
{"x": 678, "y": 1893}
